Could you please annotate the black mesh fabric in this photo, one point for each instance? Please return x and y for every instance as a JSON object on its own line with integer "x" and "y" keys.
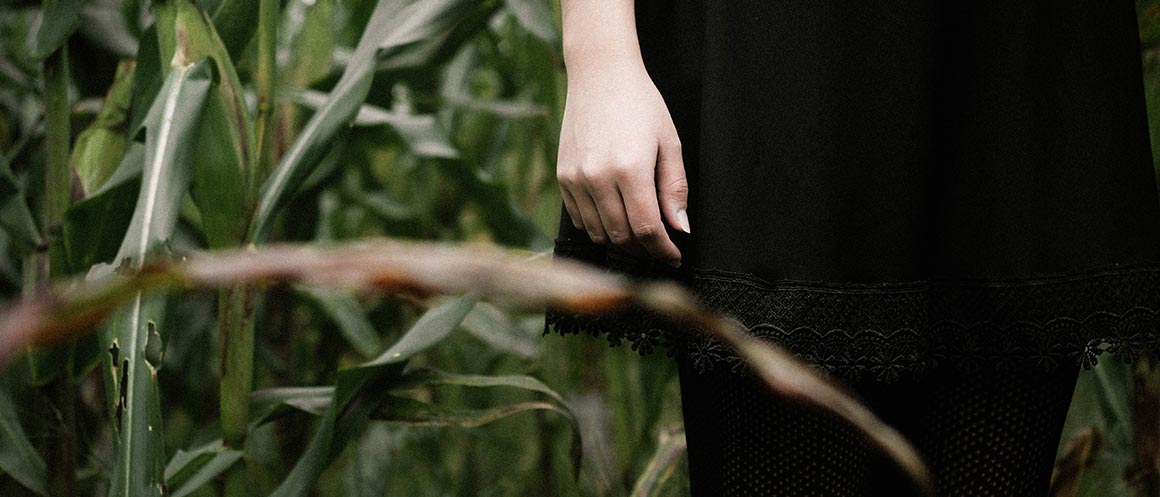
{"x": 982, "y": 435}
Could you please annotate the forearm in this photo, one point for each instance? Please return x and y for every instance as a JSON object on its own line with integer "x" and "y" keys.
{"x": 598, "y": 33}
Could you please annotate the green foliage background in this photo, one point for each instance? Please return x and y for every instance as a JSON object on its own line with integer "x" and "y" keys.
{"x": 458, "y": 107}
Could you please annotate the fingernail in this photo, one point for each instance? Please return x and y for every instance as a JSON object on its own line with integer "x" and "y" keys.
{"x": 676, "y": 263}
{"x": 683, "y": 220}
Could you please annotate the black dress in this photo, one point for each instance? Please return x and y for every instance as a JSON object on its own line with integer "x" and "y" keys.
{"x": 946, "y": 204}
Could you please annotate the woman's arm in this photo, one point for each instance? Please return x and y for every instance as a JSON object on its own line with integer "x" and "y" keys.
{"x": 619, "y": 165}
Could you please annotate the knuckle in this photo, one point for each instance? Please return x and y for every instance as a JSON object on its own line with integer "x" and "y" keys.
{"x": 648, "y": 232}
{"x": 595, "y": 175}
{"x": 678, "y": 187}
{"x": 566, "y": 177}
{"x": 619, "y": 237}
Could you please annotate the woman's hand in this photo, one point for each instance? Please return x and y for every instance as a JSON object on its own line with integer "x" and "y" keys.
{"x": 619, "y": 164}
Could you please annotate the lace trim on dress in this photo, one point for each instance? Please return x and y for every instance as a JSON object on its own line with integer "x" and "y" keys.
{"x": 895, "y": 329}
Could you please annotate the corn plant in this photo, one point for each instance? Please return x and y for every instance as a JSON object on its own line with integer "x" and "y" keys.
{"x": 138, "y": 134}
{"x": 205, "y": 139}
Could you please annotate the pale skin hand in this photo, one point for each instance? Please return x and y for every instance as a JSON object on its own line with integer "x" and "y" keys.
{"x": 619, "y": 164}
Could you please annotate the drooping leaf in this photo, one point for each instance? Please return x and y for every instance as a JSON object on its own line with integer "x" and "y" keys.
{"x": 59, "y": 20}
{"x": 390, "y": 27}
{"x": 358, "y": 392}
{"x": 187, "y": 472}
{"x": 17, "y": 456}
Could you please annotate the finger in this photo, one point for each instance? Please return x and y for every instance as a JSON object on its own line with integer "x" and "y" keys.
{"x": 610, "y": 205}
{"x": 589, "y": 216}
{"x": 571, "y": 209}
{"x": 672, "y": 187}
{"x": 644, "y": 216}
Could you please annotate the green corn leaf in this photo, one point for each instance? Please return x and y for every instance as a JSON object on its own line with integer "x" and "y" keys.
{"x": 389, "y": 28}
{"x": 430, "y": 377}
{"x": 425, "y": 378}
{"x": 423, "y": 135}
{"x": 171, "y": 132}
{"x": 399, "y": 409}
{"x": 171, "y": 128}
{"x": 411, "y": 412}
{"x": 99, "y": 148}
{"x": 95, "y": 227}
{"x": 358, "y": 392}
{"x": 342, "y": 308}
{"x": 60, "y": 19}
{"x": 535, "y": 17}
{"x": 272, "y": 403}
{"x": 17, "y": 457}
{"x": 496, "y": 328}
{"x": 187, "y": 472}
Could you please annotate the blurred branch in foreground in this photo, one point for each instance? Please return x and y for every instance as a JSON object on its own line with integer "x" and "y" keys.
{"x": 70, "y": 310}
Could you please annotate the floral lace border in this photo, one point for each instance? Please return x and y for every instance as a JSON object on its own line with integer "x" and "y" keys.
{"x": 900, "y": 329}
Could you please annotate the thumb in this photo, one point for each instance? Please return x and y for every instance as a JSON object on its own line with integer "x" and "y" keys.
{"x": 672, "y": 187}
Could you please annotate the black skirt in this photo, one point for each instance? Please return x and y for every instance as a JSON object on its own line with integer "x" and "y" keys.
{"x": 885, "y": 187}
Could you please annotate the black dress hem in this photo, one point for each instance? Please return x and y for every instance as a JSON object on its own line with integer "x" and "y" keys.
{"x": 893, "y": 330}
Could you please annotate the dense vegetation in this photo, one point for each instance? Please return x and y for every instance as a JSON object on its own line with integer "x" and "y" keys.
{"x": 135, "y": 129}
